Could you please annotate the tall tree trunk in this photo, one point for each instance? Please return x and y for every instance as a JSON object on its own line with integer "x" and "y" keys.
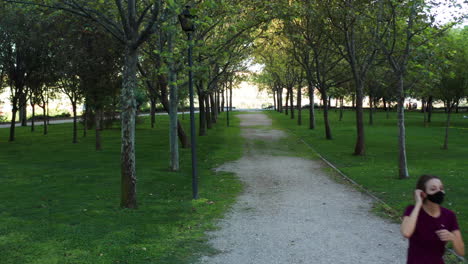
{"x": 85, "y": 120}
{"x": 274, "y": 100}
{"x": 429, "y": 109}
{"x": 328, "y": 134}
{"x": 299, "y": 105}
{"x": 23, "y": 110}
{"x": 97, "y": 128}
{"x": 44, "y": 113}
{"x": 341, "y": 108}
{"x": 311, "y": 105}
{"x": 47, "y": 116}
{"x": 218, "y": 100}
{"x": 286, "y": 110}
{"x": 423, "y": 109}
{"x": 173, "y": 107}
{"x": 75, "y": 129}
{"x": 230, "y": 97}
{"x": 402, "y": 161}
{"x": 128, "y": 104}
{"x": 167, "y": 107}
{"x": 371, "y": 110}
{"x": 153, "y": 111}
{"x": 291, "y": 101}
{"x": 209, "y": 125}
{"x": 280, "y": 100}
{"x": 447, "y": 125}
{"x": 33, "y": 106}
{"x": 214, "y": 108}
{"x": 202, "y": 113}
{"x": 360, "y": 148}
{"x": 229, "y": 101}
{"x": 223, "y": 92}
{"x": 13, "y": 121}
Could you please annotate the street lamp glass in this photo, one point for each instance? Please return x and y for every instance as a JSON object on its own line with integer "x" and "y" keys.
{"x": 185, "y": 19}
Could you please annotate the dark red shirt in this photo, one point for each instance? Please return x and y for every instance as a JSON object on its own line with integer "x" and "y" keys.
{"x": 425, "y": 247}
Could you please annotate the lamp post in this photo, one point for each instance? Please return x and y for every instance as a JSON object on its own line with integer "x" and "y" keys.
{"x": 185, "y": 19}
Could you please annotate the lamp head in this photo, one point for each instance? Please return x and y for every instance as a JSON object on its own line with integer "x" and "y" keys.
{"x": 186, "y": 20}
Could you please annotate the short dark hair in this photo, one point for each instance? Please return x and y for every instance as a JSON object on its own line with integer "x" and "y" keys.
{"x": 421, "y": 184}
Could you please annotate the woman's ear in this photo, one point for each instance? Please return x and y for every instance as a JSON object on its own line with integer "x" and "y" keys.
{"x": 423, "y": 195}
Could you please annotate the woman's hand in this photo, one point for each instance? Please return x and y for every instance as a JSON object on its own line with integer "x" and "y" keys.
{"x": 418, "y": 197}
{"x": 445, "y": 235}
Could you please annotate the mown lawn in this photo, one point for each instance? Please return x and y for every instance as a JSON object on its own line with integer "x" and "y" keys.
{"x": 377, "y": 170}
{"x": 60, "y": 202}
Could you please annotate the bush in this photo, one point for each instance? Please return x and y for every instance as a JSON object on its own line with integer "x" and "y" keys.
{"x": 63, "y": 115}
{"x": 3, "y": 119}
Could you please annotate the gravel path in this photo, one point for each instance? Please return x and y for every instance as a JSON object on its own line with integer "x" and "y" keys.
{"x": 292, "y": 212}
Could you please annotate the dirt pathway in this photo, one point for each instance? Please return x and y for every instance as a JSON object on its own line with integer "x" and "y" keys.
{"x": 292, "y": 212}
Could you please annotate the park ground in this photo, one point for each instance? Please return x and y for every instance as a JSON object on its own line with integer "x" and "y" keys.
{"x": 60, "y": 201}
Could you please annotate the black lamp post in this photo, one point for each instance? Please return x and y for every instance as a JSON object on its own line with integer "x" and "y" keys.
{"x": 188, "y": 26}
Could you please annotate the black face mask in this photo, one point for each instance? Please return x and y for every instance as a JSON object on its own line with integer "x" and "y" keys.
{"x": 437, "y": 197}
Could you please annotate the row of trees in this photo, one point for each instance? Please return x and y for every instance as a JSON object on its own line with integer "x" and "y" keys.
{"x": 346, "y": 49}
{"x": 97, "y": 51}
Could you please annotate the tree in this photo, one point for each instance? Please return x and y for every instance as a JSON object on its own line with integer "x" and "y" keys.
{"x": 132, "y": 25}
{"x": 405, "y": 23}
{"x": 453, "y": 85}
{"x": 356, "y": 40}
{"x": 19, "y": 56}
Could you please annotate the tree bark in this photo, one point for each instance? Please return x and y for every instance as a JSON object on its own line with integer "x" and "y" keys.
{"x": 75, "y": 140}
{"x": 223, "y": 92}
{"x": 230, "y": 97}
{"x": 328, "y": 134}
{"x": 128, "y": 168}
{"x": 33, "y": 106}
{"x": 44, "y": 113}
{"x": 371, "y": 111}
{"x": 402, "y": 161}
{"x": 85, "y": 120}
{"x": 153, "y": 111}
{"x": 173, "y": 109}
{"x": 202, "y": 114}
{"x": 209, "y": 125}
{"x": 97, "y": 128}
{"x": 214, "y": 108}
{"x": 286, "y": 110}
{"x": 23, "y": 110}
{"x": 166, "y": 105}
{"x": 291, "y": 101}
{"x": 447, "y": 125}
{"x": 429, "y": 109}
{"x": 280, "y": 100}
{"x": 359, "y": 148}
{"x": 13, "y": 121}
{"x": 274, "y": 100}
{"x": 299, "y": 105}
{"x": 423, "y": 109}
{"x": 341, "y": 108}
{"x": 311, "y": 105}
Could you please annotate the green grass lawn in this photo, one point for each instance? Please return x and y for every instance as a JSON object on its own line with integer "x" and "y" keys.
{"x": 377, "y": 170}
{"x": 60, "y": 202}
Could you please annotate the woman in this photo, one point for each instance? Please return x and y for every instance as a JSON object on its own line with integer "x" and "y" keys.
{"x": 428, "y": 226}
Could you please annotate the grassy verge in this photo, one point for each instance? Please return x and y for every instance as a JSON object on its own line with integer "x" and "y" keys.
{"x": 377, "y": 170}
{"x": 60, "y": 202}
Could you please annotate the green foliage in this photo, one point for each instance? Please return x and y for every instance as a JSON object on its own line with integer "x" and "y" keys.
{"x": 60, "y": 201}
